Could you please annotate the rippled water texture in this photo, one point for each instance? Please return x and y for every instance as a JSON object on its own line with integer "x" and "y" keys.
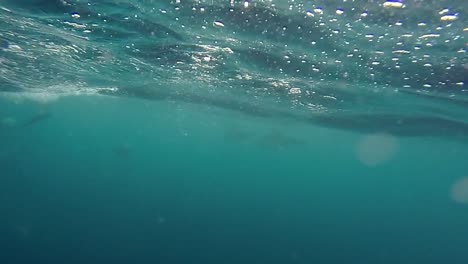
{"x": 396, "y": 67}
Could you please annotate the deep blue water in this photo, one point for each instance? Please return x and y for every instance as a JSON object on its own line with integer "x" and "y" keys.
{"x": 233, "y": 132}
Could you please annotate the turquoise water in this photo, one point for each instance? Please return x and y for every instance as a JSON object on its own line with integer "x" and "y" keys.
{"x": 233, "y": 132}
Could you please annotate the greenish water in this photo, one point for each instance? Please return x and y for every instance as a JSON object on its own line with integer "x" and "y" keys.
{"x": 162, "y": 136}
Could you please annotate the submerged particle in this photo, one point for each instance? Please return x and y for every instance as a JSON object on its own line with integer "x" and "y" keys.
{"x": 75, "y": 15}
{"x": 393, "y": 4}
{"x": 459, "y": 191}
{"x": 339, "y": 11}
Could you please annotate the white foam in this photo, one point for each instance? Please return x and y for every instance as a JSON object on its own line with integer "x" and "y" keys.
{"x": 53, "y": 93}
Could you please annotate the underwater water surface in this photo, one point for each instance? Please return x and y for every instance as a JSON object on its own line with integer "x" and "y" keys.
{"x": 233, "y": 131}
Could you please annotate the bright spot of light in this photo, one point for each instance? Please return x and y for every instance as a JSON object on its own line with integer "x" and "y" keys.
{"x": 459, "y": 191}
{"x": 376, "y": 148}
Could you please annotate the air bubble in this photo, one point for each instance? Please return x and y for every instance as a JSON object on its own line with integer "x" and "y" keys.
{"x": 218, "y": 24}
